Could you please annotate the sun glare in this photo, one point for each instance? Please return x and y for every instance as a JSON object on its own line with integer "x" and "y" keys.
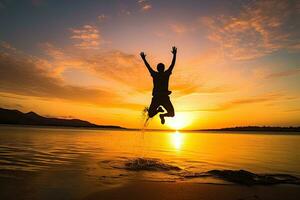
{"x": 180, "y": 121}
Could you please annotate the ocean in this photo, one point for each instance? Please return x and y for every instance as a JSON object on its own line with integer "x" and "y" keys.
{"x": 75, "y": 161}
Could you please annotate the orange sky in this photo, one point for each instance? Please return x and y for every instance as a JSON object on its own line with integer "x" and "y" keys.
{"x": 237, "y": 64}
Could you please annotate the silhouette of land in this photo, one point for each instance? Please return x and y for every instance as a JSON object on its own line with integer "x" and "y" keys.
{"x": 257, "y": 128}
{"x": 31, "y": 118}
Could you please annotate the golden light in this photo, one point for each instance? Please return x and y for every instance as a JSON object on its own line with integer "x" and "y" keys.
{"x": 177, "y": 140}
{"x": 178, "y": 122}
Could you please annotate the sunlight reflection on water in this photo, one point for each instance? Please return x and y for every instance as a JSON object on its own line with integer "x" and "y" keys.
{"x": 177, "y": 139}
{"x": 103, "y": 153}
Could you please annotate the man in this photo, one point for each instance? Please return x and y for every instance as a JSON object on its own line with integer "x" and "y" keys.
{"x": 160, "y": 90}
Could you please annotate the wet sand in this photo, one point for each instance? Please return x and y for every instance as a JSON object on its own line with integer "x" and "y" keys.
{"x": 193, "y": 191}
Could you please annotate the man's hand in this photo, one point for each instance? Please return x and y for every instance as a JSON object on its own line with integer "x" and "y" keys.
{"x": 143, "y": 55}
{"x": 174, "y": 50}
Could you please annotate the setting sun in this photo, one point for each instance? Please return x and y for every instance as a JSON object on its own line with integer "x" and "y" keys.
{"x": 180, "y": 121}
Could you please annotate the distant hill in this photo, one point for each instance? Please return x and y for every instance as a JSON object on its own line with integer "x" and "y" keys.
{"x": 257, "y": 128}
{"x": 16, "y": 117}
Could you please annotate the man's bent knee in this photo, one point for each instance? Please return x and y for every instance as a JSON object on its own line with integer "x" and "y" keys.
{"x": 170, "y": 114}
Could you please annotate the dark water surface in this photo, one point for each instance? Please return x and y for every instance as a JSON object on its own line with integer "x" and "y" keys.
{"x": 66, "y": 163}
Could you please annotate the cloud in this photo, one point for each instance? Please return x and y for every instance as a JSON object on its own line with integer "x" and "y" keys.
{"x": 123, "y": 79}
{"x": 25, "y": 76}
{"x": 251, "y": 100}
{"x": 118, "y": 73}
{"x": 144, "y": 5}
{"x": 86, "y": 37}
{"x": 268, "y": 73}
{"x": 125, "y": 12}
{"x": 116, "y": 70}
{"x": 260, "y": 28}
{"x": 125, "y": 70}
{"x": 187, "y": 87}
{"x": 293, "y": 110}
{"x": 52, "y": 51}
{"x": 102, "y": 17}
{"x": 7, "y": 46}
{"x": 284, "y": 73}
{"x": 270, "y": 97}
{"x": 178, "y": 28}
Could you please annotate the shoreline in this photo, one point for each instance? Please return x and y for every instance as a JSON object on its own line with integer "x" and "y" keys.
{"x": 194, "y": 191}
{"x": 154, "y": 130}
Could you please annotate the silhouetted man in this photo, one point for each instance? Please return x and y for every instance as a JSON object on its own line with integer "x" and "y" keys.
{"x": 160, "y": 90}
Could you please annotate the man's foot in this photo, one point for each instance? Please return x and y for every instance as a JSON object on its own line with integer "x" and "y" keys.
{"x": 159, "y": 109}
{"x": 162, "y": 118}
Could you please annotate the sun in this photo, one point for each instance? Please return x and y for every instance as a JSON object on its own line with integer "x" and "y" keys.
{"x": 179, "y": 121}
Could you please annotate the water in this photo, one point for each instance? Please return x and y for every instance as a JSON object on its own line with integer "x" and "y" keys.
{"x": 81, "y": 160}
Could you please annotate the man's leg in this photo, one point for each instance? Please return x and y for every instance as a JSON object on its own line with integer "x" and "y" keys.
{"x": 170, "y": 109}
{"x": 154, "y": 107}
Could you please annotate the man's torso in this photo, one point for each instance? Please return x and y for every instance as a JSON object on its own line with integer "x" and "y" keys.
{"x": 161, "y": 83}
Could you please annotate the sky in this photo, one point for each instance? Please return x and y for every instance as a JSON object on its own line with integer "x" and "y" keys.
{"x": 238, "y": 61}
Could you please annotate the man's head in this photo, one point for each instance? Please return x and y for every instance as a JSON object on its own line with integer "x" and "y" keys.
{"x": 160, "y": 67}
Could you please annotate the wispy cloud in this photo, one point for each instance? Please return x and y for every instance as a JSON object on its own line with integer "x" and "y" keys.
{"x": 144, "y": 5}
{"x": 293, "y": 110}
{"x": 102, "y": 17}
{"x": 265, "y": 98}
{"x": 264, "y": 73}
{"x": 260, "y": 28}
{"x": 117, "y": 71}
{"x": 251, "y": 100}
{"x": 53, "y": 51}
{"x": 178, "y": 28}
{"x": 283, "y": 73}
{"x": 187, "y": 87}
{"x": 125, "y": 12}
{"x": 26, "y": 76}
{"x": 7, "y": 46}
{"x": 86, "y": 37}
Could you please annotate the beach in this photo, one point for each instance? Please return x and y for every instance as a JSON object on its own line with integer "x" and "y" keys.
{"x": 192, "y": 191}
{"x": 147, "y": 190}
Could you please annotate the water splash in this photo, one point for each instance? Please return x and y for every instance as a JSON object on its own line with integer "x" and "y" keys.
{"x": 139, "y": 164}
{"x": 148, "y": 164}
{"x": 145, "y": 118}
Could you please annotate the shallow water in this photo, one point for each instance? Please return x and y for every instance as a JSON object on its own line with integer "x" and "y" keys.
{"x": 78, "y": 158}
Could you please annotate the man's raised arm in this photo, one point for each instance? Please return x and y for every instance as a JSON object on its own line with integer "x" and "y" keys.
{"x": 174, "y": 52}
{"x": 143, "y": 55}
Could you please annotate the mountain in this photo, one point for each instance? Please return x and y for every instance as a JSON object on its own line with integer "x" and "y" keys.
{"x": 31, "y": 118}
